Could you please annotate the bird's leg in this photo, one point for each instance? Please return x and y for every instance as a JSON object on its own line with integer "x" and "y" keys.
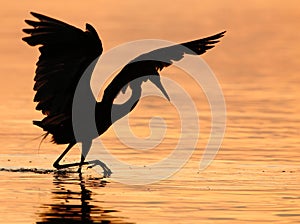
{"x": 85, "y": 149}
{"x": 56, "y": 163}
{"x": 86, "y": 146}
{"x": 80, "y": 164}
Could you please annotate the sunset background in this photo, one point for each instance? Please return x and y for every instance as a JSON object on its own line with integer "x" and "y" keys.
{"x": 255, "y": 175}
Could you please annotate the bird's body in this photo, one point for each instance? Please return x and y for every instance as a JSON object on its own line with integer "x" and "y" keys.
{"x": 66, "y": 52}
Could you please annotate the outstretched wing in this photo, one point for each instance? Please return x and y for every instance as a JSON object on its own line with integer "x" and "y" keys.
{"x": 66, "y": 52}
{"x": 147, "y": 66}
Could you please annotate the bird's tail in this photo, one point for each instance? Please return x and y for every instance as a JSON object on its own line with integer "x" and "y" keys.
{"x": 38, "y": 123}
{"x": 44, "y": 136}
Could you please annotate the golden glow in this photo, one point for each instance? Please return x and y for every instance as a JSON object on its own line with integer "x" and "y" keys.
{"x": 255, "y": 176}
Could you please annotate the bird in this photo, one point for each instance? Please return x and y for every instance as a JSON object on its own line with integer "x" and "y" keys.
{"x": 65, "y": 53}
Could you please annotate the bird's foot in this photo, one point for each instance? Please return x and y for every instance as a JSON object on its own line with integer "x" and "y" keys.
{"x": 106, "y": 171}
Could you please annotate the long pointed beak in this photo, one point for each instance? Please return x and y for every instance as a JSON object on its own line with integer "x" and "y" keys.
{"x": 156, "y": 81}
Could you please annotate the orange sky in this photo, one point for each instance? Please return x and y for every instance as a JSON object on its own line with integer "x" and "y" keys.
{"x": 262, "y": 42}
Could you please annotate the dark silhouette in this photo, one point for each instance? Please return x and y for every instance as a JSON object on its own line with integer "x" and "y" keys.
{"x": 66, "y": 52}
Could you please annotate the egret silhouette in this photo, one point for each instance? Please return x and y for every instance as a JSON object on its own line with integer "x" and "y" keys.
{"x": 65, "y": 53}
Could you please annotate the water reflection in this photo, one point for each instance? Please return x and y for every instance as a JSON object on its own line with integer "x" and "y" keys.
{"x": 73, "y": 202}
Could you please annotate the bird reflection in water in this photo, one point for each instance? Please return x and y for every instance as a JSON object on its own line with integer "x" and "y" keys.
{"x": 74, "y": 202}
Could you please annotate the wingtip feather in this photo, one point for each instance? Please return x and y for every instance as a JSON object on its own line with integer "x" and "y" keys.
{"x": 37, "y": 15}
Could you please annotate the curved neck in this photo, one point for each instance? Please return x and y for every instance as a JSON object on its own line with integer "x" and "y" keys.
{"x": 121, "y": 110}
{"x": 107, "y": 112}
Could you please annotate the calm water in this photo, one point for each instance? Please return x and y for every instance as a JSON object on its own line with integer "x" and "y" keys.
{"x": 254, "y": 177}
